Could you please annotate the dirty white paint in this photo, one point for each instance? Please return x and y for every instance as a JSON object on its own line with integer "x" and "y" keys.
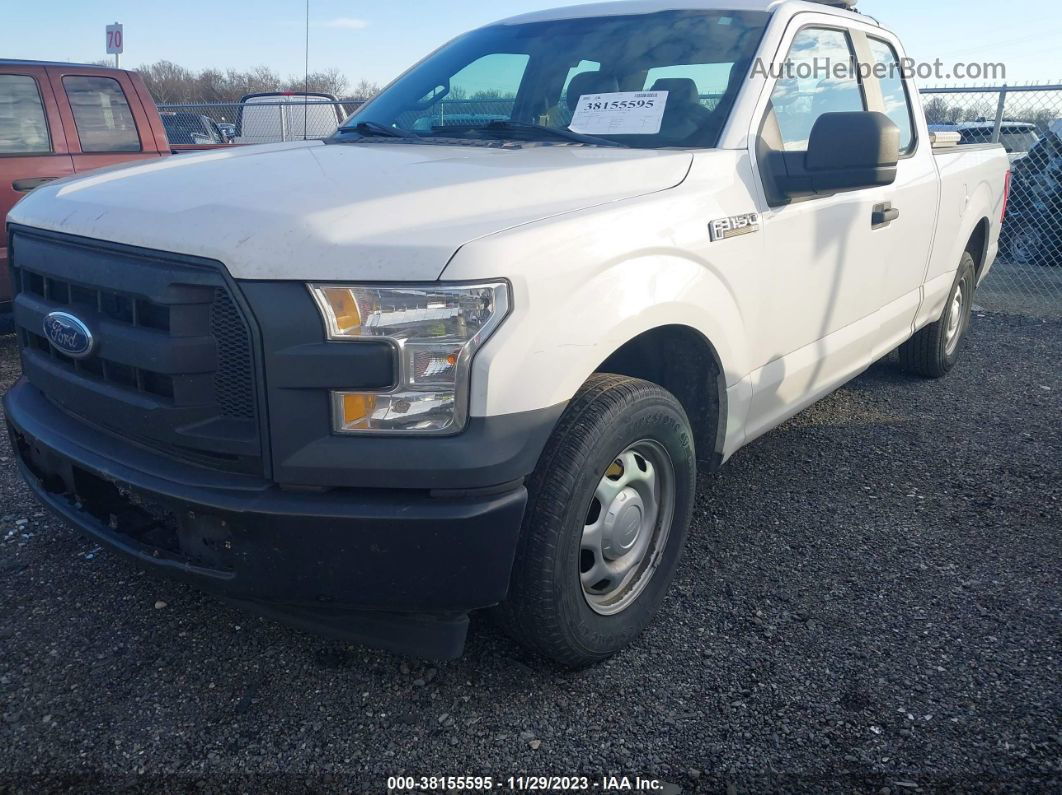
{"x": 370, "y": 211}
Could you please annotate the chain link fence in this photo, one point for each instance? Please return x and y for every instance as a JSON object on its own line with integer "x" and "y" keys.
{"x": 1027, "y": 120}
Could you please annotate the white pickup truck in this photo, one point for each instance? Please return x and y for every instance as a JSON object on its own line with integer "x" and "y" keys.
{"x": 470, "y": 351}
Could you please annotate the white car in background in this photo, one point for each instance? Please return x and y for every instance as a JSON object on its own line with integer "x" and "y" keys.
{"x": 1017, "y": 137}
{"x": 278, "y": 116}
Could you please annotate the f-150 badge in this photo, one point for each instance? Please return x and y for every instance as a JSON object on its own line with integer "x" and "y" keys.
{"x": 723, "y": 228}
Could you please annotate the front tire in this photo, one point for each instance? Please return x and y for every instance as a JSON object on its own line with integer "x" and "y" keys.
{"x": 934, "y": 350}
{"x": 608, "y": 511}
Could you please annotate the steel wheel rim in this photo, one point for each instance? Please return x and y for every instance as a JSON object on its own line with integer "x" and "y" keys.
{"x": 953, "y": 330}
{"x": 626, "y": 526}
{"x": 1025, "y": 243}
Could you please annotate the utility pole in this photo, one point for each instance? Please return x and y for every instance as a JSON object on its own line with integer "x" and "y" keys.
{"x": 306, "y": 79}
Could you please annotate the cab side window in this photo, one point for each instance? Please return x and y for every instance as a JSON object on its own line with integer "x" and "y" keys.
{"x": 23, "y": 125}
{"x": 897, "y": 102}
{"x": 818, "y": 76}
{"x": 102, "y": 115}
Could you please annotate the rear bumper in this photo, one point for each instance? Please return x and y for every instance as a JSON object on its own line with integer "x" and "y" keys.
{"x": 399, "y": 569}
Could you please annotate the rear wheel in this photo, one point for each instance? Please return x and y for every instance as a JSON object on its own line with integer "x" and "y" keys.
{"x": 1027, "y": 244}
{"x": 610, "y": 503}
{"x": 934, "y": 350}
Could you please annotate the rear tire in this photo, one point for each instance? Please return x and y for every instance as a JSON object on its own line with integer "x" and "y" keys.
{"x": 934, "y": 350}
{"x": 608, "y": 510}
{"x": 1027, "y": 243}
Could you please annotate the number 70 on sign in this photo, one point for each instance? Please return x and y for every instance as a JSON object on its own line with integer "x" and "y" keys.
{"x": 115, "y": 39}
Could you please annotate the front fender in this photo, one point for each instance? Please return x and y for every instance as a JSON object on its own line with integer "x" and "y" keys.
{"x": 546, "y": 359}
{"x": 586, "y": 283}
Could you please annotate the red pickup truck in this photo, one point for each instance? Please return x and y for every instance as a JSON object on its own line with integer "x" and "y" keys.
{"x": 58, "y": 119}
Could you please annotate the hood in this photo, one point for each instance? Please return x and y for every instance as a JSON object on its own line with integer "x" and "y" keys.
{"x": 372, "y": 211}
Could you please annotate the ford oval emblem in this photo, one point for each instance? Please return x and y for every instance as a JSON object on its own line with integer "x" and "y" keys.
{"x": 68, "y": 335}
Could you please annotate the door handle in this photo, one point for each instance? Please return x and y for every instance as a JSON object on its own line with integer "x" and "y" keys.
{"x": 26, "y": 185}
{"x": 883, "y": 215}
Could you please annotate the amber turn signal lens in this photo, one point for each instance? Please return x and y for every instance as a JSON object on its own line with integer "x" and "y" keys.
{"x": 346, "y": 315}
{"x": 357, "y": 408}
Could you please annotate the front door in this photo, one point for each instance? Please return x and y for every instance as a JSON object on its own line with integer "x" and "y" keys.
{"x": 32, "y": 146}
{"x": 822, "y": 263}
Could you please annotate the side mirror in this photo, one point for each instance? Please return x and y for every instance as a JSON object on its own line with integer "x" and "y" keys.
{"x": 846, "y": 151}
{"x": 853, "y": 150}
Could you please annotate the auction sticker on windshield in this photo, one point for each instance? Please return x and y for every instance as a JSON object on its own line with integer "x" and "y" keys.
{"x": 619, "y": 113}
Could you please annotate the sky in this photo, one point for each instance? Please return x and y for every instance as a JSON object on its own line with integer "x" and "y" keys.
{"x": 376, "y": 41}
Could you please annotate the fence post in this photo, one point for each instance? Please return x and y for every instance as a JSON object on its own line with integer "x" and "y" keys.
{"x": 999, "y": 113}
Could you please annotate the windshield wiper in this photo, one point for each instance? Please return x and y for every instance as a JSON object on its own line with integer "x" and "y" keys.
{"x": 371, "y": 128}
{"x": 502, "y": 125}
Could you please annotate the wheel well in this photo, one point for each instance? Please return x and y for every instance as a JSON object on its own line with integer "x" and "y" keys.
{"x": 682, "y": 361}
{"x": 977, "y": 246}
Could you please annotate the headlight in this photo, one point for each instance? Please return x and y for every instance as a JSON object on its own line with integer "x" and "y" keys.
{"x": 436, "y": 331}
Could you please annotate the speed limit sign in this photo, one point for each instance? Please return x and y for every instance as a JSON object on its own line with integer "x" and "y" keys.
{"x": 115, "y": 40}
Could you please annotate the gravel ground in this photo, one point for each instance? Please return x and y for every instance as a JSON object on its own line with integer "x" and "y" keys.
{"x": 869, "y": 602}
{"x": 1024, "y": 289}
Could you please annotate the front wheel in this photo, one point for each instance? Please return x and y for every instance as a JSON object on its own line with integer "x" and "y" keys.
{"x": 609, "y": 507}
{"x": 934, "y": 350}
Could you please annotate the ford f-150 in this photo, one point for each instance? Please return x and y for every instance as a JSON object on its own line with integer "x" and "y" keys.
{"x": 469, "y": 352}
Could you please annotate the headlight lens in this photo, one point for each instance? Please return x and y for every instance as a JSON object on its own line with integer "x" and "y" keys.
{"x": 436, "y": 331}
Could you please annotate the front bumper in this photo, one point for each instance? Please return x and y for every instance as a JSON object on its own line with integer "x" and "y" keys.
{"x": 399, "y": 569}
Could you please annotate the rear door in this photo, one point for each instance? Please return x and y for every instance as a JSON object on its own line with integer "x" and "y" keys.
{"x": 903, "y": 245}
{"x": 32, "y": 145}
{"x": 107, "y": 122}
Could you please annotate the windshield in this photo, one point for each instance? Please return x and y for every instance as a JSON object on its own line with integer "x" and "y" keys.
{"x": 656, "y": 80}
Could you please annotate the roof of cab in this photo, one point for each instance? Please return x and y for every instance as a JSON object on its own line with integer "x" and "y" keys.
{"x": 628, "y": 7}
{"x": 20, "y": 62}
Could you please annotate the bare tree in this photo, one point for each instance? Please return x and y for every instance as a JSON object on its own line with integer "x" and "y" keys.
{"x": 331, "y": 81}
{"x": 170, "y": 83}
{"x": 936, "y": 110}
{"x": 365, "y": 90}
{"x": 210, "y": 86}
{"x": 256, "y": 81}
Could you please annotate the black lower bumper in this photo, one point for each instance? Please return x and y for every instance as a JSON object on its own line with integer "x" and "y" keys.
{"x": 399, "y": 569}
